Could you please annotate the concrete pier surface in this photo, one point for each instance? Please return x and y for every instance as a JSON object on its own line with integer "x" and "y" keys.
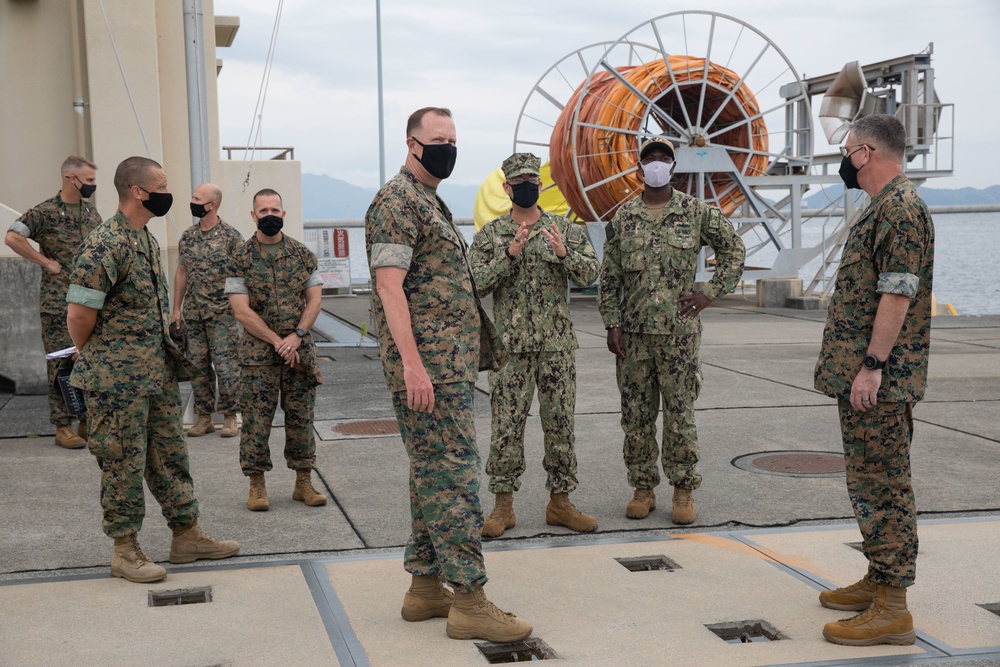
{"x": 324, "y": 585}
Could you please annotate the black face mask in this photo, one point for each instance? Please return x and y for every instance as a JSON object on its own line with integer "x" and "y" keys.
{"x": 849, "y": 173}
{"x": 198, "y": 210}
{"x": 525, "y": 194}
{"x": 86, "y": 190}
{"x": 438, "y": 159}
{"x": 159, "y": 203}
{"x": 270, "y": 225}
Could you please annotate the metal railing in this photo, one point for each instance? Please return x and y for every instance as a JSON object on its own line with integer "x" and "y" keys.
{"x": 284, "y": 152}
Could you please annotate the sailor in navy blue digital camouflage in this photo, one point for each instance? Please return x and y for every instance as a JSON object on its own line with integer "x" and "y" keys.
{"x": 873, "y": 360}
{"x": 128, "y": 370}
{"x": 429, "y": 329}
{"x": 526, "y": 258}
{"x": 276, "y": 294}
{"x": 201, "y": 307}
{"x": 650, "y": 307}
{"x": 58, "y": 225}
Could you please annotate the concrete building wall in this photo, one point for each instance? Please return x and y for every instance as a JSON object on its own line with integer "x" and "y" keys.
{"x": 36, "y": 116}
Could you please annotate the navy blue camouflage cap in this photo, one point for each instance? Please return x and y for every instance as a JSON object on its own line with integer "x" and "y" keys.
{"x": 520, "y": 164}
{"x": 656, "y": 142}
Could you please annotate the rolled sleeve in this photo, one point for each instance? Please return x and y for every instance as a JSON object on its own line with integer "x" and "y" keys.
{"x": 236, "y": 286}
{"x": 85, "y": 296}
{"x": 314, "y": 280}
{"x": 391, "y": 254}
{"x": 19, "y": 227}
{"x": 904, "y": 284}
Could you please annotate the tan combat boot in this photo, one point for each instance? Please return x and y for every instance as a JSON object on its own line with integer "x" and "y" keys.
{"x": 304, "y": 490}
{"x": 191, "y": 543}
{"x": 472, "y": 616}
{"x": 856, "y": 597}
{"x": 257, "y": 500}
{"x": 886, "y": 621}
{"x": 128, "y": 562}
{"x": 561, "y": 512}
{"x": 66, "y": 438}
{"x": 81, "y": 428}
{"x": 683, "y": 512}
{"x": 202, "y": 426}
{"x": 229, "y": 427}
{"x": 502, "y": 517}
{"x": 427, "y": 598}
{"x": 643, "y": 502}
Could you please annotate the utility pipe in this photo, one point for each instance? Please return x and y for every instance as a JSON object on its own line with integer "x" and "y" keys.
{"x": 79, "y": 104}
{"x": 197, "y": 94}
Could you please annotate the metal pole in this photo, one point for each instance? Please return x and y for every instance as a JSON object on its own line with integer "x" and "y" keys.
{"x": 381, "y": 114}
{"x": 79, "y": 104}
{"x": 194, "y": 59}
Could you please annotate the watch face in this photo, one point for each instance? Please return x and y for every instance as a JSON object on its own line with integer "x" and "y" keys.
{"x": 870, "y": 362}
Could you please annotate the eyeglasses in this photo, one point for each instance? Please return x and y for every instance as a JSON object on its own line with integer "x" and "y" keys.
{"x": 848, "y": 153}
{"x": 649, "y": 159}
{"x": 534, "y": 180}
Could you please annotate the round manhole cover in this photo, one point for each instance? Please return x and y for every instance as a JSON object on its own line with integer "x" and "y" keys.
{"x": 793, "y": 463}
{"x": 368, "y": 427}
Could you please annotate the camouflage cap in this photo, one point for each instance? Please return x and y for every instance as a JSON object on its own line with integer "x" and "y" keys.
{"x": 519, "y": 164}
{"x": 656, "y": 142}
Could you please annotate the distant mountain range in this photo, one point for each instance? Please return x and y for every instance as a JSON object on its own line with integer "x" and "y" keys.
{"x": 326, "y": 198}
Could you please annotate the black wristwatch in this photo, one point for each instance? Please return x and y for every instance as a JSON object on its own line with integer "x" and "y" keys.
{"x": 872, "y": 363}
{"x": 301, "y": 333}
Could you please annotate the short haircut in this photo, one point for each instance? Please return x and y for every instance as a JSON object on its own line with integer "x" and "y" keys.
{"x": 134, "y": 170}
{"x": 415, "y": 121}
{"x": 75, "y": 163}
{"x": 266, "y": 192}
{"x": 216, "y": 195}
{"x": 883, "y": 131}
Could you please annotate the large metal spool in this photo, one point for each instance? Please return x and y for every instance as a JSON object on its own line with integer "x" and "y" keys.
{"x": 741, "y": 118}
{"x": 699, "y": 98}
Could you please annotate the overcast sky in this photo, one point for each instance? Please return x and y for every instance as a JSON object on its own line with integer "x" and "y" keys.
{"x": 483, "y": 59}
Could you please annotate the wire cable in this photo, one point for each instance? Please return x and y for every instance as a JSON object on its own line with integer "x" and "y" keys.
{"x": 253, "y": 139}
{"x": 608, "y": 129}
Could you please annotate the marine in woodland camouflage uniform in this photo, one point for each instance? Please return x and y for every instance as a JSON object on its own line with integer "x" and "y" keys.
{"x": 889, "y": 251}
{"x": 531, "y": 310}
{"x": 59, "y": 228}
{"x": 281, "y": 284}
{"x": 128, "y": 371}
{"x": 433, "y": 339}
{"x": 409, "y": 227}
{"x": 205, "y": 261}
{"x": 647, "y": 292}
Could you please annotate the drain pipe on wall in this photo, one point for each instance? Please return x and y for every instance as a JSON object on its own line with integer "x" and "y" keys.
{"x": 79, "y": 104}
{"x": 194, "y": 59}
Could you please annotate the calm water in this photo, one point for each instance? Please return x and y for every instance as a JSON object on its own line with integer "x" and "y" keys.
{"x": 966, "y": 263}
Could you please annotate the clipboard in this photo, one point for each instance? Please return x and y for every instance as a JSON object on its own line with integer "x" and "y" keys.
{"x": 72, "y": 396}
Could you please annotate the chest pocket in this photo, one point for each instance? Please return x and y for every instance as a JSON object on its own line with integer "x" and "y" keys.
{"x": 447, "y": 232}
{"x": 635, "y": 251}
{"x": 682, "y": 238}
{"x": 140, "y": 284}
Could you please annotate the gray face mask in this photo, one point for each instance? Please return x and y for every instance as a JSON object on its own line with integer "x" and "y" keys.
{"x": 657, "y": 174}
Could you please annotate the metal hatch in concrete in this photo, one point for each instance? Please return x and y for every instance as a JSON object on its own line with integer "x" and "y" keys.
{"x": 793, "y": 463}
